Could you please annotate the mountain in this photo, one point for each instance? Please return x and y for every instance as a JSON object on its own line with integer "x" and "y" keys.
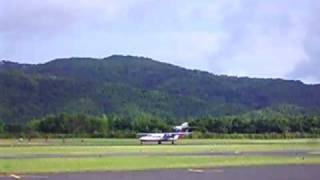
{"x": 127, "y": 85}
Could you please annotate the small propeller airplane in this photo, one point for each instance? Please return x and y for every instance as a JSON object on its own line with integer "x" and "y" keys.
{"x": 179, "y": 132}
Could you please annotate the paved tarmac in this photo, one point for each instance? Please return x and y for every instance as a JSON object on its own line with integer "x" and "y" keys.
{"x": 286, "y": 172}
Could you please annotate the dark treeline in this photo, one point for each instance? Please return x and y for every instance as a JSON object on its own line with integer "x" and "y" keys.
{"x": 81, "y": 125}
{"x": 260, "y": 122}
{"x": 257, "y": 125}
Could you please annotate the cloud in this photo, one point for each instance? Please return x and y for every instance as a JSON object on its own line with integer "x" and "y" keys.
{"x": 263, "y": 39}
{"x": 34, "y": 30}
{"x": 308, "y": 69}
{"x": 55, "y": 15}
{"x": 255, "y": 38}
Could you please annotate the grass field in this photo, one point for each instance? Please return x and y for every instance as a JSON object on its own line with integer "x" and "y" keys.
{"x": 119, "y": 149}
{"x": 127, "y": 142}
{"x": 96, "y": 146}
{"x": 140, "y": 163}
{"x": 149, "y": 149}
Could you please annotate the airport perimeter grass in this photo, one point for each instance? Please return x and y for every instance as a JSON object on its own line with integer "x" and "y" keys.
{"x": 109, "y": 146}
{"x": 127, "y": 142}
{"x": 140, "y": 163}
{"x": 121, "y": 160}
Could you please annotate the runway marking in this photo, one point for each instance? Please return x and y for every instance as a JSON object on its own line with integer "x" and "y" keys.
{"x": 196, "y": 170}
{"x": 15, "y": 176}
{"x": 31, "y": 176}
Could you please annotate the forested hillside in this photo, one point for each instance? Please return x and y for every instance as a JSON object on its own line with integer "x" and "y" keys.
{"x": 126, "y": 86}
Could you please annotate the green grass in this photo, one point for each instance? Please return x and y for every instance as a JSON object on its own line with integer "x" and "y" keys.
{"x": 69, "y": 142}
{"x": 140, "y": 163}
{"x": 250, "y": 141}
{"x": 122, "y": 161}
{"x": 191, "y": 147}
{"x": 126, "y": 142}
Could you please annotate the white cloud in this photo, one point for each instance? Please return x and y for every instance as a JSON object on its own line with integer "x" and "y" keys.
{"x": 241, "y": 37}
{"x": 263, "y": 40}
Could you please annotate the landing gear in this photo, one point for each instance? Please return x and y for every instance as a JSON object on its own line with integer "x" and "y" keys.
{"x": 159, "y": 142}
{"x": 141, "y": 142}
{"x": 172, "y": 142}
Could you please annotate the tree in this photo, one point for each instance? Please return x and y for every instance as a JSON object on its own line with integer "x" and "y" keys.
{"x": 1, "y": 126}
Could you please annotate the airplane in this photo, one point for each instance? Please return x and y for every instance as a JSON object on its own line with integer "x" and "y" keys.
{"x": 179, "y": 132}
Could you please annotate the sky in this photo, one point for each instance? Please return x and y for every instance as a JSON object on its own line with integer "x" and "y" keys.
{"x": 255, "y": 38}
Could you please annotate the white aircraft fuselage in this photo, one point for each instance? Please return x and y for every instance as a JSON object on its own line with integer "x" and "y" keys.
{"x": 159, "y": 137}
{"x": 165, "y": 137}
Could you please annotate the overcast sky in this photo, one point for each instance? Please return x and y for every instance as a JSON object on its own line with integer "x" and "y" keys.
{"x": 256, "y": 38}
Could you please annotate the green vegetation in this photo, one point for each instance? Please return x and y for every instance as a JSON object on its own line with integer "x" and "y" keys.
{"x": 168, "y": 149}
{"x": 270, "y": 120}
{"x": 266, "y": 124}
{"x": 1, "y": 126}
{"x": 140, "y": 163}
{"x": 125, "y": 154}
{"x": 121, "y": 147}
{"x": 127, "y": 86}
{"x": 129, "y": 142}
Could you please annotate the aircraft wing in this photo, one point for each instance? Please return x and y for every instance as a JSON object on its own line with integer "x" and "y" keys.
{"x": 166, "y": 133}
{"x": 143, "y": 134}
{"x": 178, "y": 133}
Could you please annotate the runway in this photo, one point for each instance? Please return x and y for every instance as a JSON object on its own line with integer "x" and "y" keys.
{"x": 289, "y": 172}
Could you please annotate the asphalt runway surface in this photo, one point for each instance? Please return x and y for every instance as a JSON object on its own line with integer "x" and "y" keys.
{"x": 286, "y": 172}
{"x": 267, "y": 153}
